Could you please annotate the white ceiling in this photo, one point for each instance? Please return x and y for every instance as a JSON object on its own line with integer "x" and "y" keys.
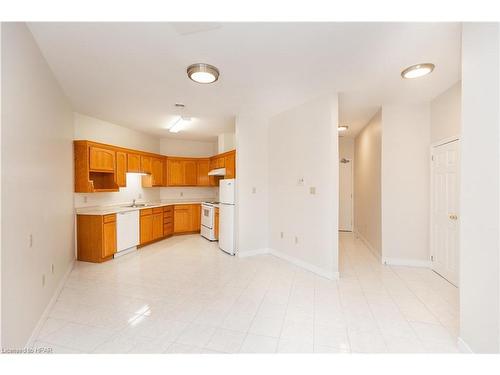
{"x": 132, "y": 74}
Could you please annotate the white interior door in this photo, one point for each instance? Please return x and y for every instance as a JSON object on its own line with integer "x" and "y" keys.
{"x": 345, "y": 198}
{"x": 445, "y": 210}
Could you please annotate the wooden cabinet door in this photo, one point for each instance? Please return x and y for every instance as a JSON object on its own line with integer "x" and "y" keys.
{"x": 220, "y": 162}
{"x": 190, "y": 173}
{"x": 157, "y": 226}
{"x": 213, "y": 181}
{"x": 230, "y": 165}
{"x": 121, "y": 169}
{"x": 146, "y": 164}
{"x": 157, "y": 172}
{"x": 109, "y": 239}
{"x": 175, "y": 172}
{"x": 101, "y": 159}
{"x": 146, "y": 229}
{"x": 195, "y": 212}
{"x": 182, "y": 218}
{"x": 216, "y": 223}
{"x": 165, "y": 172}
{"x": 133, "y": 163}
{"x": 203, "y": 169}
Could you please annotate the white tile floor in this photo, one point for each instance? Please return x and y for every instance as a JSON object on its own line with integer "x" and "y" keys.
{"x": 183, "y": 295}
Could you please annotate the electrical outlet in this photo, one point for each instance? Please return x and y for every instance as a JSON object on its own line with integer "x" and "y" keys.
{"x": 43, "y": 281}
{"x": 281, "y": 235}
{"x": 52, "y": 268}
{"x": 30, "y": 240}
{"x": 296, "y": 240}
{"x": 140, "y": 196}
{"x": 254, "y": 190}
{"x": 300, "y": 181}
{"x": 85, "y": 199}
{"x": 182, "y": 193}
{"x": 312, "y": 190}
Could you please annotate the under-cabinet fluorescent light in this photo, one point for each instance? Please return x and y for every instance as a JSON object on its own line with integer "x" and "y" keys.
{"x": 178, "y": 124}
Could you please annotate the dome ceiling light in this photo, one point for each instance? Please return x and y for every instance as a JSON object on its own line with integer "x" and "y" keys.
{"x": 203, "y": 73}
{"x": 418, "y": 70}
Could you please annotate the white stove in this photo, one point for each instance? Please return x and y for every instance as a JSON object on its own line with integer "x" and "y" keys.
{"x": 208, "y": 220}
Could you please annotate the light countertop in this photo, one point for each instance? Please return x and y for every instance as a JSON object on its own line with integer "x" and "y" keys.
{"x": 106, "y": 210}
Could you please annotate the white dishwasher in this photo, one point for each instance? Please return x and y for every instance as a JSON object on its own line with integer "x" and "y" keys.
{"x": 127, "y": 232}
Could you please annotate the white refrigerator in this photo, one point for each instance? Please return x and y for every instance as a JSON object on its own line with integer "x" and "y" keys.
{"x": 226, "y": 215}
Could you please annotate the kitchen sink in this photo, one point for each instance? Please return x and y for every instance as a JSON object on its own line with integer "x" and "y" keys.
{"x": 137, "y": 205}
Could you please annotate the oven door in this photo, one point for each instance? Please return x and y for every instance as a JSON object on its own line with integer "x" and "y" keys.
{"x": 207, "y": 216}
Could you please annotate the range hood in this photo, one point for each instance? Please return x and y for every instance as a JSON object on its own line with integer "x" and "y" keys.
{"x": 217, "y": 172}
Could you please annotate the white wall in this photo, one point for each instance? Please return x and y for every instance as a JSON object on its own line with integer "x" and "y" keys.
{"x": 346, "y": 148}
{"x": 180, "y": 147}
{"x": 252, "y": 184}
{"x": 446, "y": 113}
{"x": 37, "y": 185}
{"x": 479, "y": 225}
{"x": 367, "y": 183}
{"x": 405, "y": 183}
{"x": 303, "y": 144}
{"x": 226, "y": 142}
{"x": 186, "y": 193}
{"x": 92, "y": 129}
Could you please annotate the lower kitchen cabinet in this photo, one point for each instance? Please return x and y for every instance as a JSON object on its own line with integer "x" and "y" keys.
{"x": 158, "y": 225}
{"x": 182, "y": 219}
{"x": 187, "y": 218}
{"x": 151, "y": 225}
{"x": 168, "y": 221}
{"x": 96, "y": 237}
{"x": 146, "y": 226}
{"x": 216, "y": 223}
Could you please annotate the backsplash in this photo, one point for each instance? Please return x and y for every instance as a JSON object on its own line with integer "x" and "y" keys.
{"x": 189, "y": 192}
{"x": 134, "y": 190}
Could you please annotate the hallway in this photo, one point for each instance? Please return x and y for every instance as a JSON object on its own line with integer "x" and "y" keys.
{"x": 185, "y": 296}
{"x": 413, "y": 309}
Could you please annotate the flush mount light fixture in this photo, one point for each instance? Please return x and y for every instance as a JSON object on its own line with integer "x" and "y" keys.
{"x": 203, "y": 73}
{"x": 418, "y": 70}
{"x": 342, "y": 128}
{"x": 178, "y": 124}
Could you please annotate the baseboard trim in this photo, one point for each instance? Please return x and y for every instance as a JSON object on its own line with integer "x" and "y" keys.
{"x": 278, "y": 254}
{"x": 307, "y": 266}
{"x": 252, "y": 253}
{"x": 51, "y": 303}
{"x": 406, "y": 262}
{"x": 463, "y": 347}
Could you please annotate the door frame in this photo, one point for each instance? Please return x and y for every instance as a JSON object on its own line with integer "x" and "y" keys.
{"x": 433, "y": 145}
{"x": 351, "y": 161}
